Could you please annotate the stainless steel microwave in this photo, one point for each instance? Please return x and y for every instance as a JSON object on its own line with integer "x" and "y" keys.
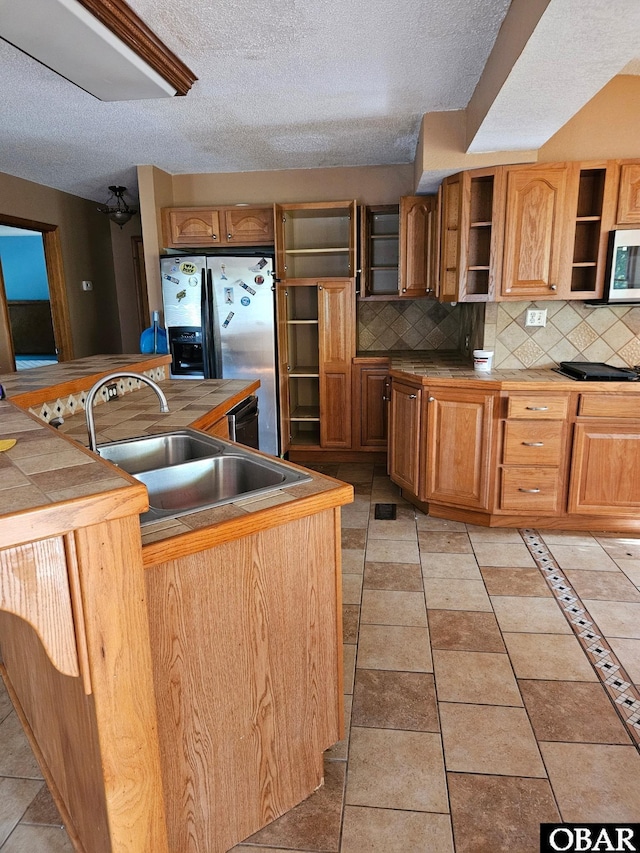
{"x": 622, "y": 279}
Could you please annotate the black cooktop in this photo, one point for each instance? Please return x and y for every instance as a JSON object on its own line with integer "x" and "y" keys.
{"x": 597, "y": 371}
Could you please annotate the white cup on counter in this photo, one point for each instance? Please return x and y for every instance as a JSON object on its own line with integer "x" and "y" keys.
{"x": 482, "y": 359}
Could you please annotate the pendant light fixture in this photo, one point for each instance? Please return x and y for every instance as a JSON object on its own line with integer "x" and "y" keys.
{"x": 118, "y": 210}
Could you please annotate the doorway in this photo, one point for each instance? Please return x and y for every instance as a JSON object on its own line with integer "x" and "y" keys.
{"x": 34, "y": 316}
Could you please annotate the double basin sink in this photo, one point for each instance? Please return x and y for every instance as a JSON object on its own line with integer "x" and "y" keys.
{"x": 187, "y": 471}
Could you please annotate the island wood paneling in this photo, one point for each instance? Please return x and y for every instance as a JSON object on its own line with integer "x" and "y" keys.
{"x": 248, "y": 677}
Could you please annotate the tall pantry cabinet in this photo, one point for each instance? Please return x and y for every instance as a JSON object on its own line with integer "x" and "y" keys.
{"x": 315, "y": 269}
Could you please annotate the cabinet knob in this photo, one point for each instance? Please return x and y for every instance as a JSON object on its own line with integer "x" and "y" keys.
{"x": 404, "y": 289}
{"x": 431, "y": 399}
{"x": 553, "y": 287}
{"x": 537, "y": 408}
{"x": 320, "y": 287}
{"x": 533, "y": 443}
{"x": 229, "y": 236}
{"x": 413, "y": 396}
{"x": 214, "y": 236}
{"x": 530, "y": 491}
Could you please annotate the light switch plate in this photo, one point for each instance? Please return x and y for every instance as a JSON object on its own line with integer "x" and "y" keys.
{"x": 536, "y": 317}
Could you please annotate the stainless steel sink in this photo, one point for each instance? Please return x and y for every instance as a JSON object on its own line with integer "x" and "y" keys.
{"x": 148, "y": 452}
{"x": 210, "y": 482}
{"x": 187, "y": 471}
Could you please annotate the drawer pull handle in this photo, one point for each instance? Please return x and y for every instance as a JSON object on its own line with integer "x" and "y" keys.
{"x": 537, "y": 408}
{"x": 530, "y": 491}
{"x": 533, "y": 443}
{"x": 412, "y": 396}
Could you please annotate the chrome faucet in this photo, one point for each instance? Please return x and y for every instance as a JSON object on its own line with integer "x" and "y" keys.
{"x": 88, "y": 406}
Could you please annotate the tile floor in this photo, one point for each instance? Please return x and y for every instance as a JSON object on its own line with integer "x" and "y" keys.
{"x": 489, "y": 687}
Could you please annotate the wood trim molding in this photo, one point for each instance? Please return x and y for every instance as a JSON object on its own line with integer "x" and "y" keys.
{"x": 129, "y": 28}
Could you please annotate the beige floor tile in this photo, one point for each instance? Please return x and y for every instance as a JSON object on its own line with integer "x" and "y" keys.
{"x": 385, "y": 699}
{"x": 621, "y": 547}
{"x": 15, "y": 797}
{"x": 349, "y": 665}
{"x": 553, "y": 657}
{"x": 5, "y": 703}
{"x": 444, "y": 542}
{"x": 353, "y": 539}
{"x": 354, "y": 519}
{"x": 615, "y": 618}
{"x": 394, "y": 647}
{"x": 628, "y": 653}
{"x": 593, "y": 782}
{"x": 351, "y": 588}
{"x": 465, "y": 630}
{"x": 353, "y": 561}
{"x": 16, "y": 757}
{"x": 396, "y": 770}
{"x": 392, "y": 551}
{"x": 392, "y": 607}
{"x": 428, "y": 522}
{"x": 583, "y": 558}
{"x": 529, "y": 614}
{"x": 508, "y": 581}
{"x": 455, "y": 594}
{"x": 507, "y": 554}
{"x": 394, "y": 831}
{"x": 27, "y": 838}
{"x": 607, "y": 586}
{"x": 496, "y": 814}
{"x": 475, "y": 678}
{"x": 404, "y": 529}
{"x": 493, "y": 534}
{"x": 489, "y": 739}
{"x": 631, "y": 568}
{"x": 462, "y": 566}
{"x": 567, "y": 537}
{"x": 400, "y": 576}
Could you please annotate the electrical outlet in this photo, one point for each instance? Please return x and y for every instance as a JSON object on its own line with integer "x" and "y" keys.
{"x": 112, "y": 392}
{"x": 536, "y": 317}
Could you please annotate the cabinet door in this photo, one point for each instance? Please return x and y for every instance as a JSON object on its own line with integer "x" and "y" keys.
{"x": 534, "y": 229}
{"x": 451, "y": 231}
{"x": 417, "y": 245}
{"x": 336, "y": 332}
{"x": 404, "y": 435}
{"x": 455, "y": 468}
{"x": 283, "y": 366}
{"x": 248, "y": 226}
{"x": 605, "y": 473}
{"x": 373, "y": 385}
{"x": 629, "y": 195}
{"x": 190, "y": 227}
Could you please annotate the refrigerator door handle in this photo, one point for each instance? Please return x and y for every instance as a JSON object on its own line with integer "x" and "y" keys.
{"x": 206, "y": 320}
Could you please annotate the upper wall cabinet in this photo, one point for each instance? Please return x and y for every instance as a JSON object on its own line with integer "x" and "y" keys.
{"x": 315, "y": 240}
{"x": 629, "y": 196}
{"x": 199, "y": 227}
{"x": 398, "y": 245}
{"x": 472, "y": 212}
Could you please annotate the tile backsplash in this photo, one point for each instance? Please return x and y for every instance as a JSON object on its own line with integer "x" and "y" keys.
{"x": 411, "y": 324}
{"x": 574, "y": 332}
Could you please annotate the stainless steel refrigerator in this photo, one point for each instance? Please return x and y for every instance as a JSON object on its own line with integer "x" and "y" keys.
{"x": 219, "y": 313}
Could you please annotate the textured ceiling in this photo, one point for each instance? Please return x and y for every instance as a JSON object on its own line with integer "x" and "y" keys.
{"x": 282, "y": 84}
{"x": 285, "y": 84}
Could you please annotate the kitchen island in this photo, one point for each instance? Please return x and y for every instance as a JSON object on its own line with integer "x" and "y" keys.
{"x": 514, "y": 448}
{"x": 179, "y": 693}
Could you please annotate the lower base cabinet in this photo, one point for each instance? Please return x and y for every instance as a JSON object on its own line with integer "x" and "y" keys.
{"x": 605, "y": 475}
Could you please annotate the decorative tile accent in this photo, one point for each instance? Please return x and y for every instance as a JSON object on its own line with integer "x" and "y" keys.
{"x": 75, "y": 402}
{"x": 608, "y": 668}
{"x": 420, "y": 324}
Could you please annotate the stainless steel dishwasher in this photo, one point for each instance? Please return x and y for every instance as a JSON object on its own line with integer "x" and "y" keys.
{"x": 243, "y": 422}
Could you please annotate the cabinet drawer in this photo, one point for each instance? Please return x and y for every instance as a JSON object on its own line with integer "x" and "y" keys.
{"x": 533, "y": 442}
{"x": 542, "y": 407}
{"x": 530, "y": 489}
{"x": 609, "y": 406}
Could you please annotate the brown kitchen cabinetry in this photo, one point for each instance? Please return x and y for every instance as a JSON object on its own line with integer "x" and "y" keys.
{"x": 533, "y": 464}
{"x": 371, "y": 386}
{"x": 418, "y": 245}
{"x": 628, "y": 212}
{"x": 200, "y": 227}
{"x": 471, "y": 225}
{"x": 316, "y": 332}
{"x": 440, "y": 443}
{"x": 535, "y": 225}
{"x": 605, "y": 467}
{"x": 380, "y": 252}
{"x": 315, "y": 241}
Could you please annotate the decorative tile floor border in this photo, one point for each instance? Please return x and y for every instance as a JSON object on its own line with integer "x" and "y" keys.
{"x": 621, "y": 690}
